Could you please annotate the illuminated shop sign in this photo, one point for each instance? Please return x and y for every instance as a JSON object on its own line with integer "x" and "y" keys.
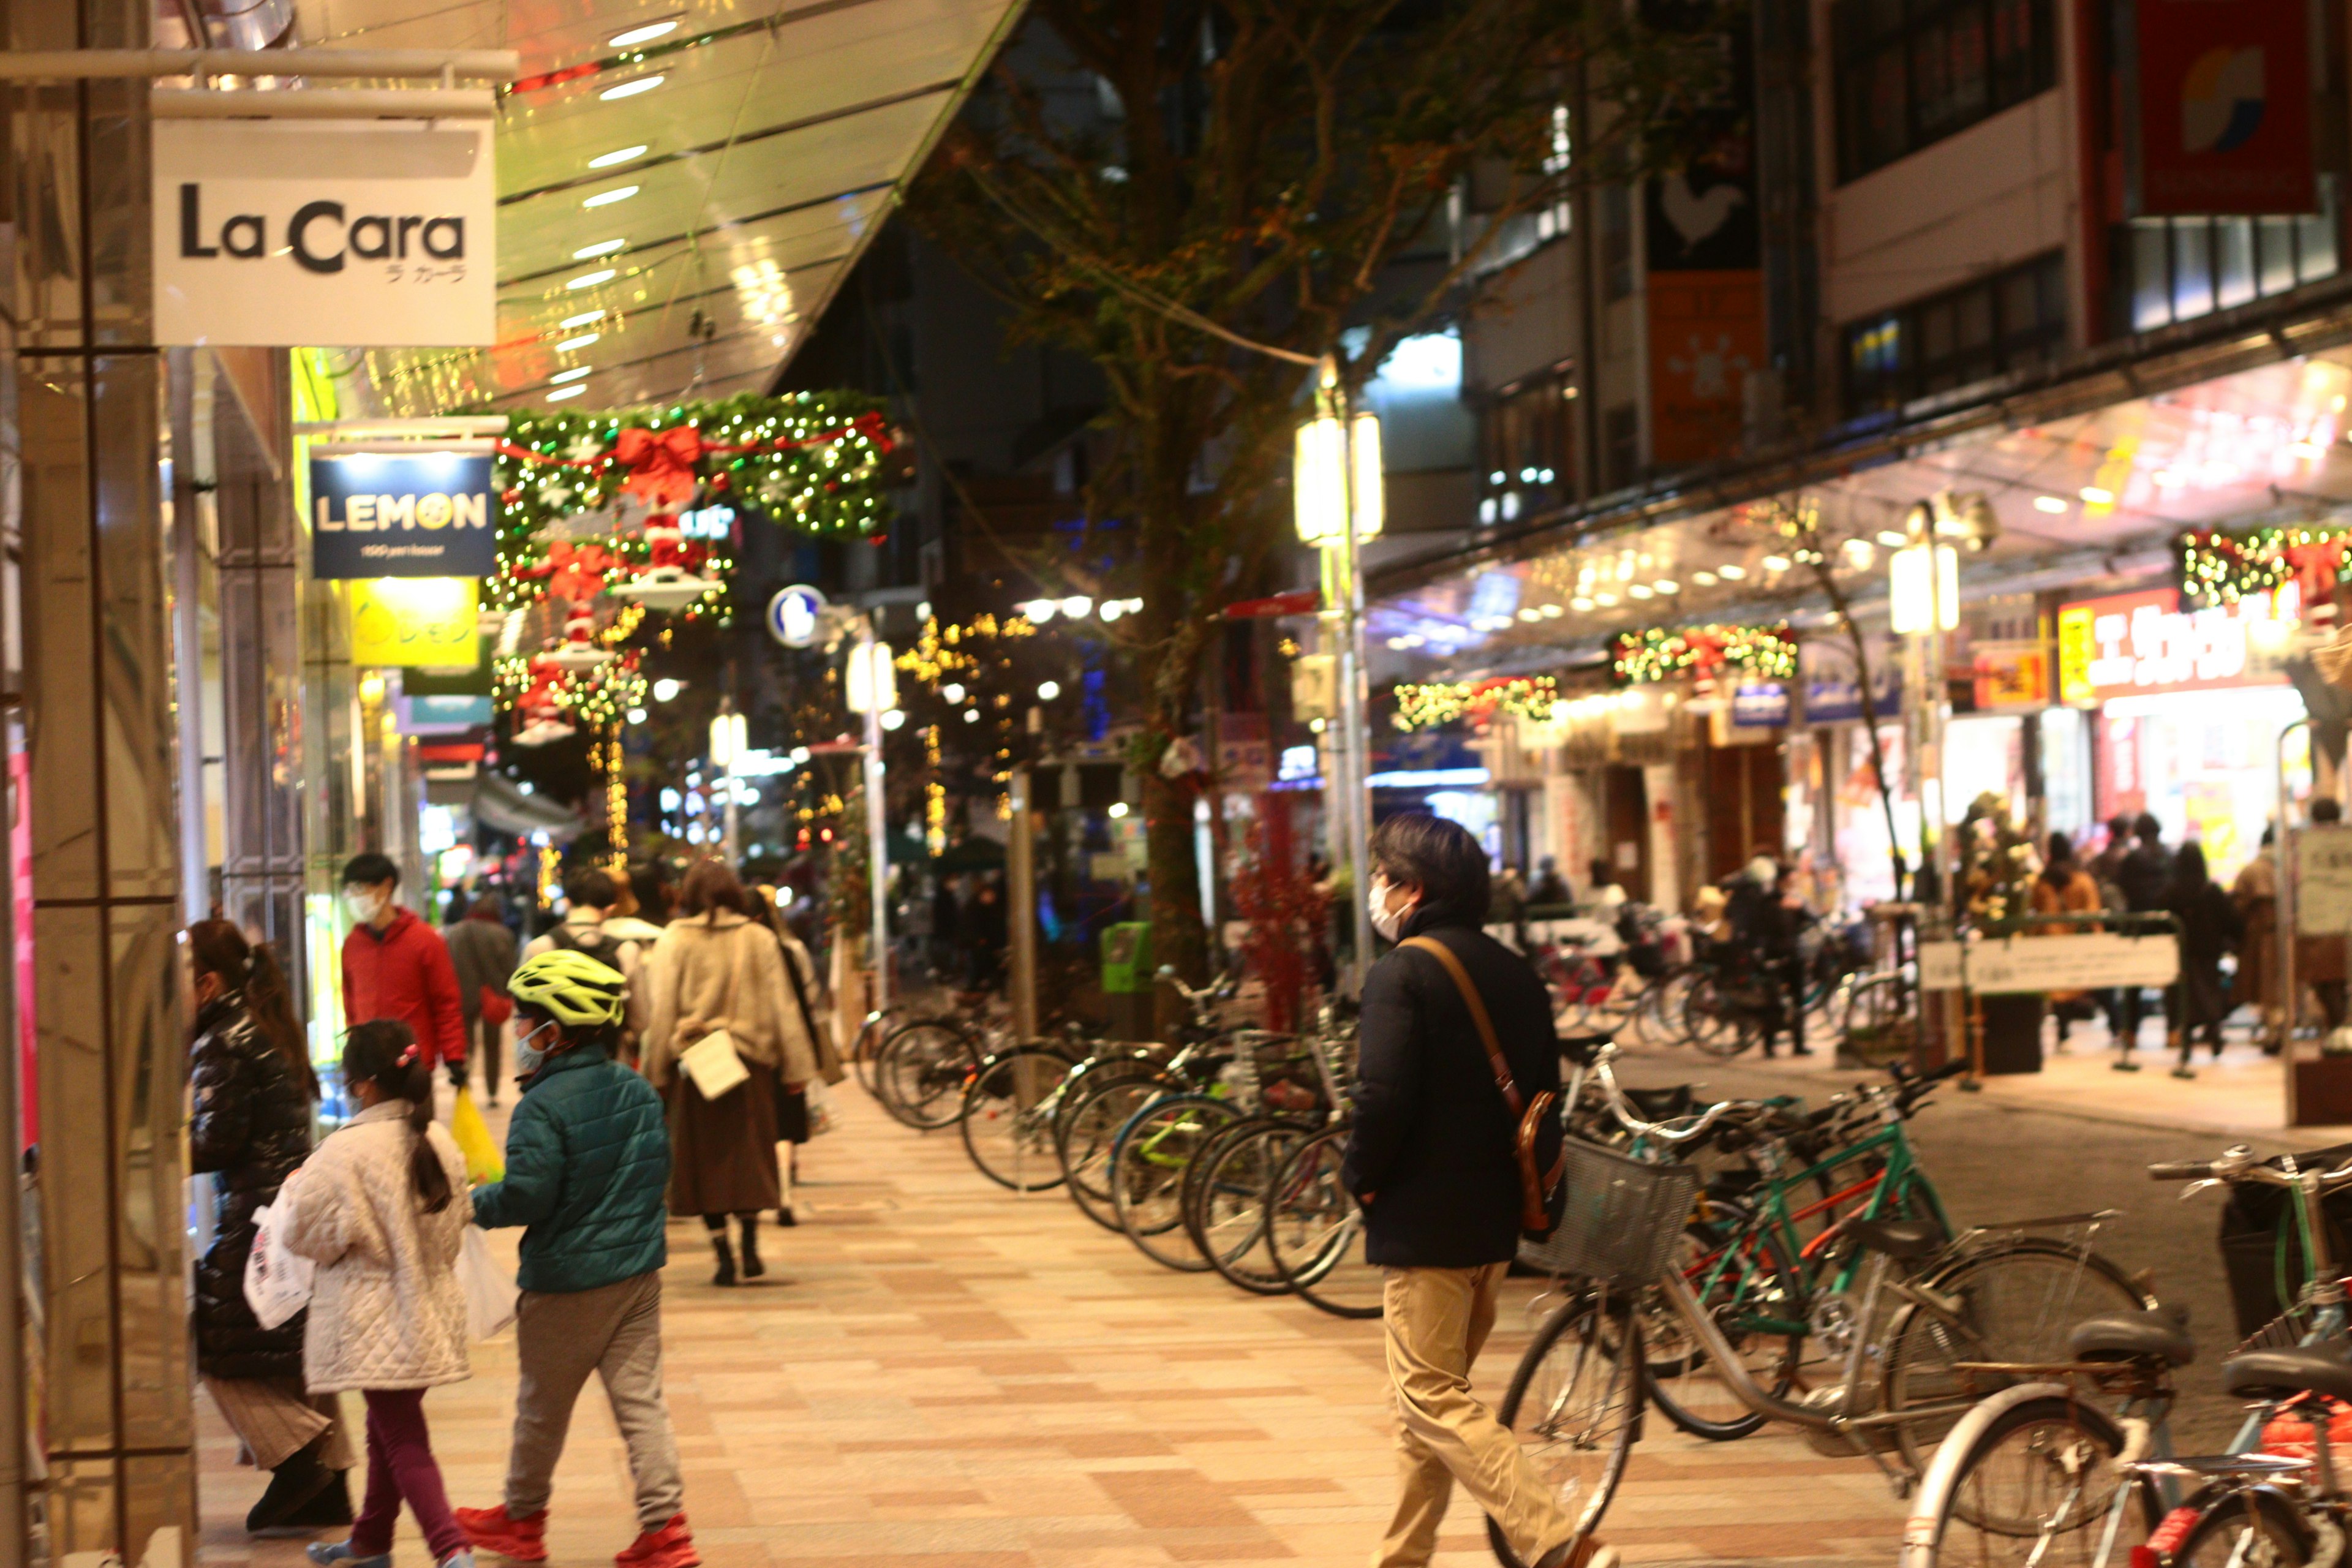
{"x": 2136, "y": 643}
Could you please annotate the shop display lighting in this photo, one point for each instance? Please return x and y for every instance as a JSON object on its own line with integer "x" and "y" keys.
{"x": 630, "y": 89}
{"x": 1731, "y": 573}
{"x": 577, "y": 373}
{"x": 602, "y": 247}
{"x": 1776, "y": 563}
{"x": 581, "y": 341}
{"x": 606, "y": 198}
{"x": 590, "y": 279}
{"x": 561, "y": 392}
{"x": 585, "y": 318}
{"x": 2097, "y": 495}
{"x": 641, "y": 35}
{"x": 617, "y": 155}
{"x": 1048, "y": 689}
{"x": 2056, "y": 505}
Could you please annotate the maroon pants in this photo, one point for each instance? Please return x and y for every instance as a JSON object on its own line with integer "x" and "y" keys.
{"x": 401, "y": 1465}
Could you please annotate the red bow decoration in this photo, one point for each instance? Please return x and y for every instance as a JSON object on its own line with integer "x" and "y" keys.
{"x": 2316, "y": 567}
{"x": 661, "y": 464}
{"x": 574, "y": 572}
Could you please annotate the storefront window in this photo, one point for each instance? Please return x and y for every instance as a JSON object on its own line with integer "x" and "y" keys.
{"x": 1912, "y": 72}
{"x": 2204, "y": 763}
{"x": 2013, "y": 320}
{"x": 2178, "y": 269}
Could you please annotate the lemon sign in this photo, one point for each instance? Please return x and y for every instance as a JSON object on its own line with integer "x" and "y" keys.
{"x": 395, "y": 513}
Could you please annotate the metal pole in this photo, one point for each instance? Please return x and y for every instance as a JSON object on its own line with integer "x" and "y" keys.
{"x": 1355, "y": 737}
{"x": 877, "y": 848}
{"x": 1021, "y": 907}
{"x": 731, "y": 818}
{"x": 2290, "y": 998}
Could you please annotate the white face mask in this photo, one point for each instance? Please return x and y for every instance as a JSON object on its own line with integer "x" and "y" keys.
{"x": 1383, "y": 921}
{"x": 364, "y": 906}
{"x": 528, "y": 1059}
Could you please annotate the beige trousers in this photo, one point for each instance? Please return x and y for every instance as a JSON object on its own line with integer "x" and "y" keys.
{"x": 274, "y": 1417}
{"x": 1437, "y": 1320}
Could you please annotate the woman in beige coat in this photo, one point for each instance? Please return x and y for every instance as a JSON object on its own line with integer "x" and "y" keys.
{"x": 382, "y": 1207}
{"x": 716, "y": 966}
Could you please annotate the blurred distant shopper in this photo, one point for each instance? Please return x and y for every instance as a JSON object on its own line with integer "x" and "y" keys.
{"x": 717, "y": 967}
{"x": 625, "y": 916}
{"x": 1431, "y": 1159}
{"x": 985, "y": 934}
{"x": 381, "y": 1208}
{"x": 2255, "y": 892}
{"x": 795, "y": 1116}
{"x": 587, "y": 1160}
{"x": 1767, "y": 923}
{"x": 482, "y": 952}
{"x": 2063, "y": 888}
{"x": 2210, "y": 927}
{"x": 650, "y": 893}
{"x": 1549, "y": 886}
{"x": 2143, "y": 877}
{"x": 2319, "y": 960}
{"x": 589, "y": 896}
{"x": 1605, "y": 893}
{"x": 251, "y": 1090}
{"x": 397, "y": 966}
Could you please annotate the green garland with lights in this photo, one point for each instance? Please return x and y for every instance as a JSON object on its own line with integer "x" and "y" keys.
{"x": 820, "y": 463}
{"x": 2219, "y": 568}
{"x": 1423, "y": 705}
{"x": 596, "y": 698}
{"x": 1656, "y": 653}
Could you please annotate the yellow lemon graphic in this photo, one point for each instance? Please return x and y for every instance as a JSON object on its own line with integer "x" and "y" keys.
{"x": 434, "y": 510}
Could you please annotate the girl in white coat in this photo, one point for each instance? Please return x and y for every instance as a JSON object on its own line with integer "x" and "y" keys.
{"x": 382, "y": 1209}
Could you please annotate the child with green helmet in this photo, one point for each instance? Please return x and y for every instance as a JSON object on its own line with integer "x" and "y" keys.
{"x": 587, "y": 1166}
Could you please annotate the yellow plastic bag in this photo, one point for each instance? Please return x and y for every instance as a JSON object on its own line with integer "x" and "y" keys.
{"x": 484, "y": 1162}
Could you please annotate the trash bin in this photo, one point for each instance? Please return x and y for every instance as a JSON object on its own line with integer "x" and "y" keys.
{"x": 1127, "y": 980}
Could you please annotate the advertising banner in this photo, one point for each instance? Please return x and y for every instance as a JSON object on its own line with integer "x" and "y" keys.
{"x": 428, "y": 512}
{"x": 2224, "y": 113}
{"x": 414, "y": 622}
{"x": 2130, "y": 644}
{"x": 286, "y": 233}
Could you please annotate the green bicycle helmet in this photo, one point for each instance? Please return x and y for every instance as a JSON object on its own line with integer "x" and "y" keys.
{"x": 571, "y": 988}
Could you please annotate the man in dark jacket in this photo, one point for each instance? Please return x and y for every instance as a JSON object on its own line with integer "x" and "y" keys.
{"x": 397, "y": 966}
{"x": 587, "y": 1167}
{"x": 1432, "y": 1159}
{"x": 2145, "y": 877}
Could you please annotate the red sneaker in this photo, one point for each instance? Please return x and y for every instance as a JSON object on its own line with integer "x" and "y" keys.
{"x": 671, "y": 1546}
{"x": 520, "y": 1540}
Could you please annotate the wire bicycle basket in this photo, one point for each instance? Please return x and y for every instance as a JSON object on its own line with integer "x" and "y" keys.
{"x": 1623, "y": 1217}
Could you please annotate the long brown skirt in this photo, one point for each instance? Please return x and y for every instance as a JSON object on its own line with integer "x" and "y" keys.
{"x": 723, "y": 1151}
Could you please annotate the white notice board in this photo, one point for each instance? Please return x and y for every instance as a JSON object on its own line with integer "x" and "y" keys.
{"x": 2090, "y": 961}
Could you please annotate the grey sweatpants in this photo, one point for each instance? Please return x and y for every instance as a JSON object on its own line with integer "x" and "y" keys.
{"x": 614, "y": 1331}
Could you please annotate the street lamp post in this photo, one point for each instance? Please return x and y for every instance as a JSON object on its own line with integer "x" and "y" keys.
{"x": 872, "y": 690}
{"x": 1338, "y": 503}
{"x": 727, "y": 743}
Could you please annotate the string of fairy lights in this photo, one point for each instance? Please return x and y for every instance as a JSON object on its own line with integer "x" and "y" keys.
{"x": 1422, "y": 705}
{"x": 2219, "y": 568}
{"x": 1658, "y": 653}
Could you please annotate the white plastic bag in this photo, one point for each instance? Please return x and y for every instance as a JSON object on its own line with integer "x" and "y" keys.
{"x": 714, "y": 1065}
{"x": 820, "y": 1117}
{"x": 276, "y": 1283}
{"x": 489, "y": 1294}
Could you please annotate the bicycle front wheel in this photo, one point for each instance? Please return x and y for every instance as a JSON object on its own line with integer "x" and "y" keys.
{"x": 922, "y": 1071}
{"x": 1714, "y": 1020}
{"x": 1007, "y": 1125}
{"x": 1148, "y": 1166}
{"x": 1575, "y": 1405}
{"x": 2037, "y": 1487}
{"x": 1314, "y": 1229}
{"x": 1743, "y": 1278}
{"x": 1226, "y": 1206}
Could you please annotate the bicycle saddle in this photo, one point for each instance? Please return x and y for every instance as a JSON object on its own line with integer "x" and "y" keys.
{"x": 2277, "y": 1374}
{"x": 2134, "y": 1336}
{"x": 1662, "y": 1104}
{"x": 1905, "y": 1240}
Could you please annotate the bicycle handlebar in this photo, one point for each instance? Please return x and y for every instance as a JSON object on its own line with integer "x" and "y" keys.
{"x": 2240, "y": 1165}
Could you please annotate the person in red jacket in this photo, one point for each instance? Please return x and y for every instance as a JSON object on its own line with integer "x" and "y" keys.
{"x": 397, "y": 966}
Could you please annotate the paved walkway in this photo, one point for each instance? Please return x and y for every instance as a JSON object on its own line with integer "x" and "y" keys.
{"x": 940, "y": 1374}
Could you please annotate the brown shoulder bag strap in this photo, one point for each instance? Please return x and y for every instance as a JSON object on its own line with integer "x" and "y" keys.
{"x": 1477, "y": 1005}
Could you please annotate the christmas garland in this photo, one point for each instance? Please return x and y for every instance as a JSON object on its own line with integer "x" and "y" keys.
{"x": 2219, "y": 568}
{"x": 1656, "y": 653}
{"x": 1421, "y": 706}
{"x": 597, "y": 698}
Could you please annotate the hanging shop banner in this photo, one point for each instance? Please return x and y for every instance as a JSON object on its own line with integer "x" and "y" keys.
{"x": 1760, "y": 705}
{"x": 2012, "y": 677}
{"x": 2323, "y": 880}
{"x": 2134, "y": 644}
{"x": 2224, "y": 113}
{"x": 415, "y": 622}
{"x": 400, "y": 513}
{"x": 365, "y": 234}
{"x": 2085, "y": 961}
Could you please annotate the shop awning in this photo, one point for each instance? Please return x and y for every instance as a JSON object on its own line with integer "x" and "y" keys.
{"x": 775, "y": 141}
{"x": 2093, "y": 468}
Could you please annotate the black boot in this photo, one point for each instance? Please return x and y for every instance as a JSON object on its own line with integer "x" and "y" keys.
{"x": 298, "y": 1479}
{"x": 726, "y": 1275}
{"x": 329, "y": 1510}
{"x": 752, "y": 1267}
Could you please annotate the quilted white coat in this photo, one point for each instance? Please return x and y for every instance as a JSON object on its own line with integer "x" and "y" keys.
{"x": 387, "y": 1310}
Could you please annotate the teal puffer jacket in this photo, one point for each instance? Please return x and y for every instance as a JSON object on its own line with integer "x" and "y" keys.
{"x": 587, "y": 1166}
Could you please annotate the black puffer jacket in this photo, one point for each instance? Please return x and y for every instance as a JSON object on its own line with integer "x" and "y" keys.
{"x": 1432, "y": 1142}
{"x": 252, "y": 1126}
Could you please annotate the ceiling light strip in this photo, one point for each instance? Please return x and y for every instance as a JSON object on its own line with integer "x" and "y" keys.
{"x": 629, "y": 57}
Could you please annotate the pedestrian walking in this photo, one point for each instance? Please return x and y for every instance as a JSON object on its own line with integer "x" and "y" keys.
{"x": 252, "y": 1089}
{"x": 587, "y": 1160}
{"x": 2255, "y": 892}
{"x": 589, "y": 896}
{"x": 716, "y": 967}
{"x": 482, "y": 953}
{"x": 2103, "y": 868}
{"x": 2063, "y": 888}
{"x": 381, "y": 1208}
{"x": 2210, "y": 927}
{"x": 2143, "y": 877}
{"x": 1432, "y": 1159}
{"x": 397, "y": 966}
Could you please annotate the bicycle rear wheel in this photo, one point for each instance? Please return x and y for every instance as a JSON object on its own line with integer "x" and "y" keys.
{"x": 2036, "y": 1487}
{"x": 1758, "y": 1300}
{"x": 1315, "y": 1230}
{"x": 1575, "y": 1405}
{"x": 1147, "y": 1167}
{"x": 2257, "y": 1529}
{"x": 1007, "y": 1123}
{"x": 2016, "y": 1301}
{"x": 1087, "y": 1141}
{"x": 866, "y": 1051}
{"x": 923, "y": 1070}
{"x": 1714, "y": 1020}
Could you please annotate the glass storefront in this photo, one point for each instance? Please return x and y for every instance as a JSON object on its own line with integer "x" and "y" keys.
{"x": 2204, "y": 763}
